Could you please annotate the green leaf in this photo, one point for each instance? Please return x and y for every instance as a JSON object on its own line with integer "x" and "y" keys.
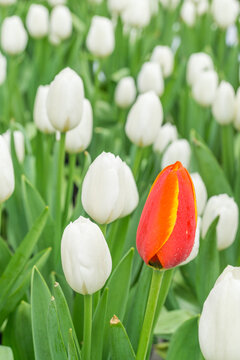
{"x": 57, "y": 347}
{"x": 40, "y": 300}
{"x": 5, "y": 255}
{"x": 6, "y": 353}
{"x": 72, "y": 350}
{"x": 184, "y": 343}
{"x": 208, "y": 266}
{"x": 19, "y": 259}
{"x": 209, "y": 169}
{"x": 97, "y": 325}
{"x": 121, "y": 347}
{"x": 169, "y": 321}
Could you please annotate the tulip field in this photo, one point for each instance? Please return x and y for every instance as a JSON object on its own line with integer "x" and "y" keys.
{"x": 119, "y": 180}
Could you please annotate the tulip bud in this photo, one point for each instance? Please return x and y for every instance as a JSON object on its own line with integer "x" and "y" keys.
{"x": 150, "y": 78}
{"x": 125, "y": 92}
{"x": 205, "y": 87}
{"x": 117, "y": 6}
{"x": 188, "y": 13}
{"x": 109, "y": 190}
{"x": 225, "y": 12}
{"x": 37, "y": 21}
{"x": 40, "y": 115}
{"x": 166, "y": 134}
{"x": 197, "y": 63}
{"x": 61, "y": 22}
{"x": 201, "y": 192}
{"x": 167, "y": 227}
{"x": 170, "y": 4}
{"x": 223, "y": 107}
{"x": 219, "y": 324}
{"x": 86, "y": 259}
{"x": 202, "y": 7}
{"x": 227, "y": 210}
{"x": 80, "y": 137}
{"x": 144, "y": 119}
{"x": 164, "y": 57}
{"x": 7, "y": 182}
{"x": 56, "y": 2}
{"x": 3, "y": 68}
{"x": 19, "y": 146}
{"x": 236, "y": 120}
{"x": 7, "y": 2}
{"x": 137, "y": 13}
{"x": 65, "y": 100}
{"x": 100, "y": 39}
{"x": 13, "y": 35}
{"x": 178, "y": 150}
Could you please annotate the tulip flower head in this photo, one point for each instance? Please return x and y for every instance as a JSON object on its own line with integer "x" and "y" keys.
{"x": 167, "y": 227}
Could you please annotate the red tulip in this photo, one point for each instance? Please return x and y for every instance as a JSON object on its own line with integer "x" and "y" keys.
{"x": 166, "y": 230}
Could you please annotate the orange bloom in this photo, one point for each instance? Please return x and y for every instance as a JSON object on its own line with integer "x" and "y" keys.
{"x": 166, "y": 230}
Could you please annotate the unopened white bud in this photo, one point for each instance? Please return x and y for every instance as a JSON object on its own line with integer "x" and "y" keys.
{"x": 40, "y": 115}
{"x": 223, "y": 107}
{"x": 170, "y": 4}
{"x": 19, "y": 146}
{"x": 7, "y": 2}
{"x": 178, "y": 150}
{"x": 205, "y": 87}
{"x": 13, "y": 35}
{"x": 188, "y": 13}
{"x": 117, "y": 6}
{"x": 61, "y": 22}
{"x": 7, "y": 182}
{"x": 166, "y": 134}
{"x": 125, "y": 92}
{"x": 236, "y": 120}
{"x": 197, "y": 63}
{"x": 37, "y": 21}
{"x": 164, "y": 57}
{"x": 137, "y": 13}
{"x": 225, "y": 12}
{"x": 150, "y": 78}
{"x": 200, "y": 191}
{"x": 3, "y": 68}
{"x": 202, "y": 7}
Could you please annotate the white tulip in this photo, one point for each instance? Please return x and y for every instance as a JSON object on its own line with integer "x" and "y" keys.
{"x": 109, "y": 190}
{"x": 37, "y": 21}
{"x": 225, "y": 12}
{"x": 205, "y": 87}
{"x": 170, "y": 4}
{"x": 86, "y": 259}
{"x": 164, "y": 57}
{"x": 7, "y": 182}
{"x": 201, "y": 192}
{"x": 226, "y": 208}
{"x": 137, "y": 13}
{"x": 80, "y": 137}
{"x": 223, "y": 107}
{"x": 219, "y": 324}
{"x": 178, "y": 150}
{"x": 101, "y": 39}
{"x": 18, "y": 143}
{"x": 56, "y": 2}
{"x": 150, "y": 78}
{"x": 65, "y": 100}
{"x": 144, "y": 119}
{"x": 195, "y": 249}
{"x": 7, "y": 2}
{"x": 125, "y": 92}
{"x": 202, "y": 7}
{"x": 166, "y": 134}
{"x": 236, "y": 120}
{"x": 117, "y": 6}
{"x": 188, "y": 13}
{"x": 197, "y": 63}
{"x": 40, "y": 115}
{"x": 3, "y": 68}
{"x": 61, "y": 22}
{"x": 13, "y": 35}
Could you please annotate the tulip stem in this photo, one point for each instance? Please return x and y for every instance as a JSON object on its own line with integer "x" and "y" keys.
{"x": 72, "y": 162}
{"x": 103, "y": 228}
{"x": 149, "y": 314}
{"x": 228, "y": 151}
{"x": 137, "y": 162}
{"x": 87, "y": 334}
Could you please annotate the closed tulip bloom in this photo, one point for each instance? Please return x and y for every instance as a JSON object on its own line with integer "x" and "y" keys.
{"x": 100, "y": 39}
{"x": 7, "y": 181}
{"x": 223, "y": 107}
{"x": 205, "y": 87}
{"x": 225, "y": 12}
{"x": 170, "y": 4}
{"x": 80, "y": 137}
{"x": 125, "y": 92}
{"x": 202, "y": 7}
{"x": 166, "y": 134}
{"x": 178, "y": 150}
{"x": 236, "y": 120}
{"x": 86, "y": 259}
{"x": 117, "y": 6}
{"x": 61, "y": 22}
{"x": 40, "y": 115}
{"x": 167, "y": 227}
{"x": 164, "y": 57}
{"x": 150, "y": 78}
{"x": 137, "y": 13}
{"x": 3, "y": 68}
{"x": 7, "y": 2}
{"x": 219, "y": 324}
{"x": 197, "y": 63}
{"x": 37, "y": 21}
{"x": 65, "y": 100}
{"x": 109, "y": 190}
{"x": 144, "y": 119}
{"x": 188, "y": 13}
{"x": 19, "y": 145}
{"x": 13, "y": 35}
{"x": 226, "y": 208}
{"x": 201, "y": 192}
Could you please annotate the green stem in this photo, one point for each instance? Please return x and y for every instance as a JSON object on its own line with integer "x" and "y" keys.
{"x": 41, "y": 175}
{"x": 137, "y": 162}
{"x": 149, "y": 314}
{"x": 72, "y": 162}
{"x": 87, "y": 334}
{"x": 228, "y": 151}
{"x": 103, "y": 228}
